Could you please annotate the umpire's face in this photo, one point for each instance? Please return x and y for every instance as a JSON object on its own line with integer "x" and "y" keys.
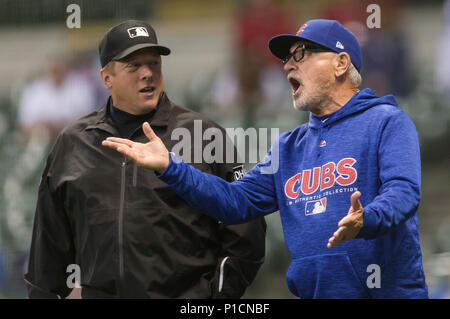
{"x": 136, "y": 82}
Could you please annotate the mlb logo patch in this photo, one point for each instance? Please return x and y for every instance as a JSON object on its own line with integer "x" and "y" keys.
{"x": 137, "y": 32}
{"x": 316, "y": 206}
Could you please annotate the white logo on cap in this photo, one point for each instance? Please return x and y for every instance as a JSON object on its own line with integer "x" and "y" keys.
{"x": 339, "y": 45}
{"x": 137, "y": 32}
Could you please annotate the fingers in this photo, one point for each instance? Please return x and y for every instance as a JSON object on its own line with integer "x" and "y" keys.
{"x": 338, "y": 237}
{"x": 111, "y": 144}
{"x": 340, "y": 233}
{"x": 350, "y": 224}
{"x": 148, "y": 131}
{"x": 119, "y": 147}
{"x": 119, "y": 141}
{"x": 346, "y": 221}
{"x": 356, "y": 204}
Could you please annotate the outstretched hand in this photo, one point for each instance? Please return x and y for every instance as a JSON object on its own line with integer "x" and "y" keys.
{"x": 152, "y": 155}
{"x": 350, "y": 225}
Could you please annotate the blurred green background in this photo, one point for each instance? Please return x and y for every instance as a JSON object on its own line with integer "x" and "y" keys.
{"x": 221, "y": 67}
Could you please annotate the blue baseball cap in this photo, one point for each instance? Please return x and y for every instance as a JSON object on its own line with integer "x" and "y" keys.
{"x": 327, "y": 33}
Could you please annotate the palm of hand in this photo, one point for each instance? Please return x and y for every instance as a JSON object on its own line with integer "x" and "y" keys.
{"x": 152, "y": 155}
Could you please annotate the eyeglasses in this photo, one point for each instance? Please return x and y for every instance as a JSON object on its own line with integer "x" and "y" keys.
{"x": 299, "y": 52}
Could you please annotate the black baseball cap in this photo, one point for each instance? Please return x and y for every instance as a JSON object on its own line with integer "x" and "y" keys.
{"x": 126, "y": 38}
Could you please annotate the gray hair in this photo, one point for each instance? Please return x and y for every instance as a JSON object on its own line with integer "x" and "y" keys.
{"x": 354, "y": 76}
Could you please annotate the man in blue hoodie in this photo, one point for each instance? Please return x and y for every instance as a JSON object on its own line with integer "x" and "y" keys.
{"x": 347, "y": 183}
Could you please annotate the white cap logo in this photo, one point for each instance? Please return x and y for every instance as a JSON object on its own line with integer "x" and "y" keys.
{"x": 137, "y": 32}
{"x": 339, "y": 45}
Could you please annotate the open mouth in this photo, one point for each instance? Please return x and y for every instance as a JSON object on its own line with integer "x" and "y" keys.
{"x": 294, "y": 84}
{"x": 147, "y": 90}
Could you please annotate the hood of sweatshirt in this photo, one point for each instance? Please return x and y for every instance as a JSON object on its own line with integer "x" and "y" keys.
{"x": 359, "y": 102}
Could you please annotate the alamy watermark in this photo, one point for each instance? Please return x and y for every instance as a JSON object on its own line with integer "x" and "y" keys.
{"x": 74, "y": 278}
{"x": 374, "y": 279}
{"x": 374, "y": 19}
{"x": 73, "y": 20}
{"x": 213, "y": 145}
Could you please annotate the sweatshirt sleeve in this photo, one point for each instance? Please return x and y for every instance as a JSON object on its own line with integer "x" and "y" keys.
{"x": 399, "y": 166}
{"x": 243, "y": 200}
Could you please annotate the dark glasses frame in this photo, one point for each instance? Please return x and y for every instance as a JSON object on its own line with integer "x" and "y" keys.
{"x": 299, "y": 52}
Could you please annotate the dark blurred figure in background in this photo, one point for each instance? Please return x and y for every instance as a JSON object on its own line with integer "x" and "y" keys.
{"x": 442, "y": 82}
{"x": 85, "y": 65}
{"x": 384, "y": 49}
{"x": 256, "y": 23}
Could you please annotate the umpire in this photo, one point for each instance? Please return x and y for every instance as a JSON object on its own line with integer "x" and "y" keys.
{"x": 129, "y": 234}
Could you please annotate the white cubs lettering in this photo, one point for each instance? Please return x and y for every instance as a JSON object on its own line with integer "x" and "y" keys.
{"x": 326, "y": 176}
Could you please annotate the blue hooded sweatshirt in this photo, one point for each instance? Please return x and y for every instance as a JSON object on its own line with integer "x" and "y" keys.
{"x": 309, "y": 174}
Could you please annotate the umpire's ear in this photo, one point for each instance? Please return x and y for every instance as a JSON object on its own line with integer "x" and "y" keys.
{"x": 106, "y": 73}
